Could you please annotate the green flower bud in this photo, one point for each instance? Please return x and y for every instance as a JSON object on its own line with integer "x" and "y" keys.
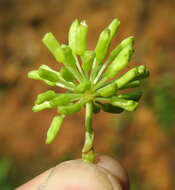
{"x": 54, "y": 47}
{"x": 112, "y": 56}
{"x": 69, "y": 58}
{"x": 66, "y": 74}
{"x": 54, "y": 129}
{"x": 128, "y": 105}
{"x": 72, "y": 35}
{"x": 130, "y": 75}
{"x": 59, "y": 55}
{"x": 132, "y": 84}
{"x": 70, "y": 62}
{"x": 122, "y": 45}
{"x": 113, "y": 27}
{"x": 134, "y": 95}
{"x": 70, "y": 109}
{"x": 125, "y": 78}
{"x": 40, "y": 107}
{"x": 102, "y": 45}
{"x": 81, "y": 38}
{"x": 119, "y": 62}
{"x": 35, "y": 75}
{"x": 142, "y": 75}
{"x": 87, "y": 60}
{"x": 60, "y": 99}
{"x": 45, "y": 96}
{"x": 47, "y": 73}
{"x": 49, "y": 82}
{"x": 107, "y": 107}
{"x": 108, "y": 90}
{"x": 77, "y": 37}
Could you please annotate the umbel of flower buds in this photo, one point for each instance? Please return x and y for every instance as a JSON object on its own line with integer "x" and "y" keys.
{"x": 91, "y": 82}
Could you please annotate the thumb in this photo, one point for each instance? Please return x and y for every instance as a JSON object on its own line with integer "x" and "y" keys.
{"x": 38, "y": 182}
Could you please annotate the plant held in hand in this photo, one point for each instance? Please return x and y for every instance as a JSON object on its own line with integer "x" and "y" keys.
{"x": 90, "y": 84}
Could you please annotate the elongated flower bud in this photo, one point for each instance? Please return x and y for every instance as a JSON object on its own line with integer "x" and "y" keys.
{"x": 54, "y": 47}
{"x": 87, "y": 60}
{"x": 35, "y": 75}
{"x": 70, "y": 61}
{"x": 119, "y": 62}
{"x": 45, "y": 96}
{"x": 128, "y": 105}
{"x": 70, "y": 109}
{"x": 130, "y": 75}
{"x": 113, "y": 27}
{"x": 127, "y": 77}
{"x": 81, "y": 38}
{"x": 77, "y": 37}
{"x": 61, "y": 99}
{"x": 122, "y": 45}
{"x": 66, "y": 74}
{"x": 143, "y": 75}
{"x": 134, "y": 95}
{"x": 40, "y": 107}
{"x": 49, "y": 74}
{"x": 132, "y": 84}
{"x": 54, "y": 128}
{"x": 69, "y": 58}
{"x": 108, "y": 90}
{"x": 72, "y": 35}
{"x": 102, "y": 45}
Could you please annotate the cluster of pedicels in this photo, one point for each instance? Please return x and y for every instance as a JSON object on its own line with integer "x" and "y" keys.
{"x": 91, "y": 83}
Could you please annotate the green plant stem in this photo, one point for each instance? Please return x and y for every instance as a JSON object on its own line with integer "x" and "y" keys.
{"x": 100, "y": 83}
{"x": 63, "y": 86}
{"x": 94, "y": 70}
{"x": 101, "y": 71}
{"x": 88, "y": 154}
{"x": 102, "y": 99}
{"x": 79, "y": 67}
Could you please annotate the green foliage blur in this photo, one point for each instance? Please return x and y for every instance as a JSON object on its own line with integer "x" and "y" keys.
{"x": 164, "y": 101}
{"x": 5, "y": 168}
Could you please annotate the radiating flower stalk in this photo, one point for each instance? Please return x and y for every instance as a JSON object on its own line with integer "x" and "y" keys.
{"x": 90, "y": 84}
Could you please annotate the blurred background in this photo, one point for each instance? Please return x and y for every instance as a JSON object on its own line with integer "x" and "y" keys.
{"x": 144, "y": 141}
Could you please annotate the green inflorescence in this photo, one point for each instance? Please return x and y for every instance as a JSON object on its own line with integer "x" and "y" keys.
{"x": 91, "y": 83}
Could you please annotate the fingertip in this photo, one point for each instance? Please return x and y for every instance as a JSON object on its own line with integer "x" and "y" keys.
{"x": 35, "y": 182}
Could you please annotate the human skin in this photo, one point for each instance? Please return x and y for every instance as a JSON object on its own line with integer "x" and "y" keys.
{"x": 105, "y": 174}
